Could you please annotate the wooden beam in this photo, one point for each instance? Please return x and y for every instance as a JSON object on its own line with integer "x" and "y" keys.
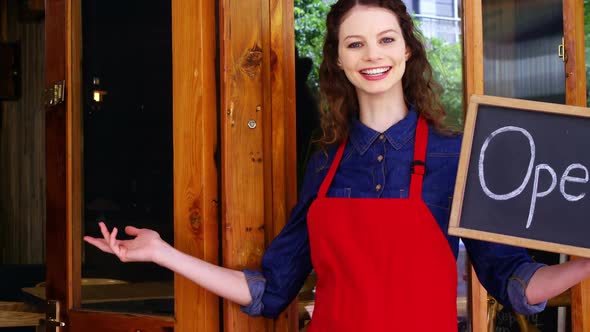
{"x": 474, "y": 84}
{"x": 283, "y": 184}
{"x": 575, "y": 86}
{"x": 258, "y": 139}
{"x": 74, "y": 138}
{"x": 472, "y": 50}
{"x": 115, "y": 322}
{"x": 57, "y": 259}
{"x": 575, "y": 68}
{"x": 196, "y": 220}
{"x": 580, "y": 306}
{"x": 244, "y": 108}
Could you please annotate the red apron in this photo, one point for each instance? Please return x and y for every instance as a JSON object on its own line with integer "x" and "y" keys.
{"x": 382, "y": 264}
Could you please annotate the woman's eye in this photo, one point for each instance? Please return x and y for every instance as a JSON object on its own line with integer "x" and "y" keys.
{"x": 355, "y": 45}
{"x": 387, "y": 40}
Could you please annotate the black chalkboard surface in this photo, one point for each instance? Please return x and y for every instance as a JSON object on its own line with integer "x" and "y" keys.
{"x": 523, "y": 175}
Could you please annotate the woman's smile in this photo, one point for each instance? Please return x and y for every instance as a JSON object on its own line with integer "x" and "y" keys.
{"x": 376, "y": 73}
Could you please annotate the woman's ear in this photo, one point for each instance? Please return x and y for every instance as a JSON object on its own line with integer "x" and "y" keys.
{"x": 408, "y": 54}
{"x": 338, "y": 63}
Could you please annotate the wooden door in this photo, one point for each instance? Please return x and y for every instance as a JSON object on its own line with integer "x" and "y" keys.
{"x": 195, "y": 175}
{"x": 256, "y": 71}
{"x": 574, "y": 81}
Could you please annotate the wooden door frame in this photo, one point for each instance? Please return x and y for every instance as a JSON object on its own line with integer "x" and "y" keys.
{"x": 573, "y": 17}
{"x": 575, "y": 87}
{"x": 259, "y": 184}
{"x": 56, "y": 158}
{"x": 474, "y": 84}
{"x": 195, "y": 123}
{"x": 195, "y": 175}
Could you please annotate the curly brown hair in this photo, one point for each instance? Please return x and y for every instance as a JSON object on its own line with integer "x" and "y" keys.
{"x": 338, "y": 96}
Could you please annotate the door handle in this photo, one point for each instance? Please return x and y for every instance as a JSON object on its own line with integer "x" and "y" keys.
{"x": 51, "y": 321}
{"x": 561, "y": 50}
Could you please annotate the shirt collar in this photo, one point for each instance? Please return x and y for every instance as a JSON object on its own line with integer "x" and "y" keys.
{"x": 397, "y": 135}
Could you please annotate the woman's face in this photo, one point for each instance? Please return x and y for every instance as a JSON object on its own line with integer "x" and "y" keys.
{"x": 372, "y": 50}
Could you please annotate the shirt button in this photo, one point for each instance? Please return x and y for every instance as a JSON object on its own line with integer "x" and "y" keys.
{"x": 378, "y": 187}
{"x": 380, "y": 158}
{"x": 381, "y": 137}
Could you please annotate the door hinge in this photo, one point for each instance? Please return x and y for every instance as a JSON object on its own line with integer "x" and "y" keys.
{"x": 55, "y": 94}
{"x": 51, "y": 321}
{"x": 561, "y": 51}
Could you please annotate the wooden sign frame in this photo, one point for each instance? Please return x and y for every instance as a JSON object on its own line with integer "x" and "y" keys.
{"x": 455, "y": 227}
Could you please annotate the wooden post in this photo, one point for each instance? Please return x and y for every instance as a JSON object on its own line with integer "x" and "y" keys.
{"x": 243, "y": 155}
{"x": 257, "y": 138}
{"x": 283, "y": 184}
{"x": 58, "y": 258}
{"x": 474, "y": 84}
{"x": 575, "y": 86}
{"x": 195, "y": 142}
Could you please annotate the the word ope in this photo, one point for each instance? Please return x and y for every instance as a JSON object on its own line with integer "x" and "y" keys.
{"x": 565, "y": 177}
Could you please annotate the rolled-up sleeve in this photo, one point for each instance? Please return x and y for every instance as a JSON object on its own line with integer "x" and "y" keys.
{"x": 517, "y": 286}
{"x": 256, "y": 284}
{"x": 495, "y": 264}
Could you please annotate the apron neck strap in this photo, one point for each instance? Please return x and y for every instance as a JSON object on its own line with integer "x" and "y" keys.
{"x": 419, "y": 163}
{"x": 417, "y": 167}
{"x": 330, "y": 176}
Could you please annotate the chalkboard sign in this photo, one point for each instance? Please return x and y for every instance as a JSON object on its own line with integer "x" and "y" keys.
{"x": 523, "y": 175}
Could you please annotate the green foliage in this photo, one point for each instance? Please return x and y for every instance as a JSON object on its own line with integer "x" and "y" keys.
{"x": 447, "y": 65}
{"x": 310, "y": 27}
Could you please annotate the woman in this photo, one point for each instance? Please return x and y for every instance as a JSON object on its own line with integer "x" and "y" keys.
{"x": 373, "y": 211}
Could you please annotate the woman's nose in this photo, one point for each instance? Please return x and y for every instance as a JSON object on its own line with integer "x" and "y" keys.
{"x": 372, "y": 52}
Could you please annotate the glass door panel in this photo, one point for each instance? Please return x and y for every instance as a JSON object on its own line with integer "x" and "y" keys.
{"x": 127, "y": 148}
{"x": 521, "y": 40}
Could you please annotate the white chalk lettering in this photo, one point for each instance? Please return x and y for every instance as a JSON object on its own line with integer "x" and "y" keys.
{"x": 536, "y": 193}
{"x": 482, "y": 181}
{"x": 536, "y": 187}
{"x": 565, "y": 177}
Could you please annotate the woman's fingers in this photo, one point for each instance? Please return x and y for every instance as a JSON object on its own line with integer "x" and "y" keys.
{"x": 122, "y": 253}
{"x": 109, "y": 243}
{"x": 104, "y": 231}
{"x": 113, "y": 242}
{"x": 133, "y": 231}
{"x": 99, "y": 243}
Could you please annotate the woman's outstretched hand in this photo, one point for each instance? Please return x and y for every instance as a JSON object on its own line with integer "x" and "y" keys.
{"x": 147, "y": 246}
{"x": 142, "y": 248}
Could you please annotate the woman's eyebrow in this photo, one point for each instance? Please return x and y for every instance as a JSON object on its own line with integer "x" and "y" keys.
{"x": 388, "y": 31}
{"x": 352, "y": 36}
{"x": 380, "y": 33}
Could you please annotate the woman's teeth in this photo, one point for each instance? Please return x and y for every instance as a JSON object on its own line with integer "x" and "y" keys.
{"x": 375, "y": 71}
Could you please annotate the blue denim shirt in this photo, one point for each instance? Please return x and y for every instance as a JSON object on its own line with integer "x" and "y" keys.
{"x": 370, "y": 159}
